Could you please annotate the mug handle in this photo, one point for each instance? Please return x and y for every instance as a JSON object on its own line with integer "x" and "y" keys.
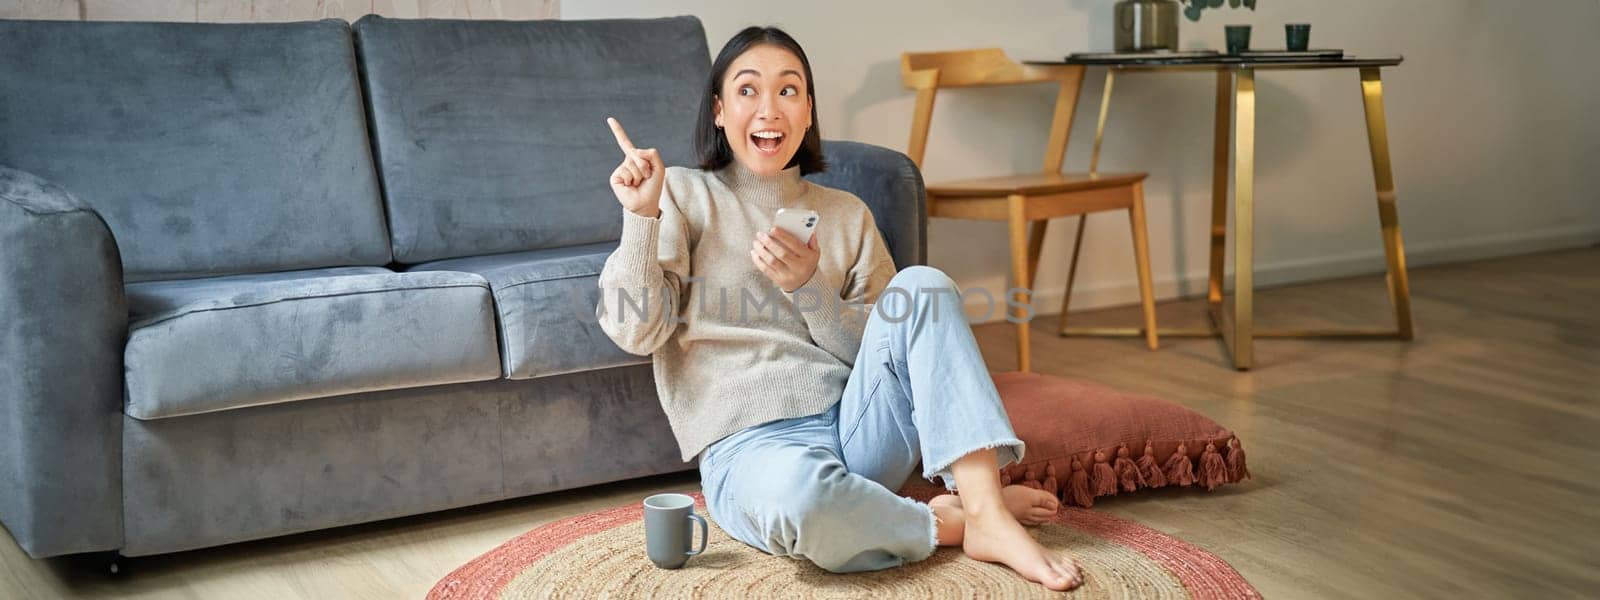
{"x": 703, "y": 536}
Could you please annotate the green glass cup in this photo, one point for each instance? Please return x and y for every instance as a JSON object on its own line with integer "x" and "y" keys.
{"x": 1297, "y": 36}
{"x": 1238, "y": 38}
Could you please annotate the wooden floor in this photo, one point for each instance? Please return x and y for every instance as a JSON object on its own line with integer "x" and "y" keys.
{"x": 1465, "y": 463}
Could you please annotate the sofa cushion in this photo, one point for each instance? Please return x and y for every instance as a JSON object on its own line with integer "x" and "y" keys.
{"x": 209, "y": 149}
{"x": 491, "y": 135}
{"x": 890, "y": 185}
{"x": 203, "y": 345}
{"x": 546, "y": 300}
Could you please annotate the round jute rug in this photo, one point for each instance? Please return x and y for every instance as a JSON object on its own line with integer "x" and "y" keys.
{"x": 601, "y": 555}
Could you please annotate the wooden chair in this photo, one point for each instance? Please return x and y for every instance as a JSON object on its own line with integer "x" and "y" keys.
{"x": 1033, "y": 199}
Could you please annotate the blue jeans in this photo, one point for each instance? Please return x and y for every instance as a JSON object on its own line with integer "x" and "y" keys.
{"x": 823, "y": 487}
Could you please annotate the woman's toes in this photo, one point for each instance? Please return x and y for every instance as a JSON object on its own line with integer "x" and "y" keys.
{"x": 1025, "y": 503}
{"x": 1058, "y": 581}
{"x": 1038, "y": 514}
{"x": 1048, "y": 502}
{"x": 1067, "y": 569}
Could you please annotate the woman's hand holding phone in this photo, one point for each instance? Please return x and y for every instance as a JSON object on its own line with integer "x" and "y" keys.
{"x": 785, "y": 260}
{"x": 637, "y": 181}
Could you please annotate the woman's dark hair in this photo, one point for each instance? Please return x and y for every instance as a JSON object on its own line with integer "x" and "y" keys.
{"x": 711, "y": 146}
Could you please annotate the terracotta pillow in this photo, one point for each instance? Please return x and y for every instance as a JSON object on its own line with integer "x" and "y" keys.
{"x": 1086, "y": 440}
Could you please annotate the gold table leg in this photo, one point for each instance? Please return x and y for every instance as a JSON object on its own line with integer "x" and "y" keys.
{"x": 1235, "y": 115}
{"x": 1393, "y": 248}
{"x": 1072, "y": 275}
{"x": 1083, "y": 219}
{"x": 1244, "y": 149}
{"x": 1219, "y": 184}
{"x": 1100, "y": 126}
{"x": 1219, "y": 222}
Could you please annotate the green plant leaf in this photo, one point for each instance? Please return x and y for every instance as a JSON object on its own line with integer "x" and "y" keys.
{"x": 1233, "y": 3}
{"x": 1250, "y": 4}
{"x": 1193, "y": 12}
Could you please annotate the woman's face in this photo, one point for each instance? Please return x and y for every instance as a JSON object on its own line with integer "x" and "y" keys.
{"x": 764, "y": 108}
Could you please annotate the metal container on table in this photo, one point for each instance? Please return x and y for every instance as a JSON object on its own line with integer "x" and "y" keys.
{"x": 1144, "y": 25}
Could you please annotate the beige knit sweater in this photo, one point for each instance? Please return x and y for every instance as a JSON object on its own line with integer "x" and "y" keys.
{"x": 732, "y": 350}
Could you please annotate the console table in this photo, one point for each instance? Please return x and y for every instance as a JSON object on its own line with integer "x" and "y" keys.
{"x": 1235, "y": 122}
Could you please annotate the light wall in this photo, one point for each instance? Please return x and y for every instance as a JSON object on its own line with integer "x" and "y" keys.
{"x": 246, "y": 11}
{"x": 1494, "y": 153}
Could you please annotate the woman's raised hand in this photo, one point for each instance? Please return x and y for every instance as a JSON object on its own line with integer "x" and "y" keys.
{"x": 637, "y": 181}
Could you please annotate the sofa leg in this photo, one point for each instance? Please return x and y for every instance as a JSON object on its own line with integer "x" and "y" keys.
{"x": 110, "y": 564}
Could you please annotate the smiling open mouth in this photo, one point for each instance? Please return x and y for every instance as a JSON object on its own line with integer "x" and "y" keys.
{"x": 767, "y": 141}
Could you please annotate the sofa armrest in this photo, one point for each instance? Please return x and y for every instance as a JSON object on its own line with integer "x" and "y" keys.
{"x": 63, "y": 320}
{"x": 891, "y": 185}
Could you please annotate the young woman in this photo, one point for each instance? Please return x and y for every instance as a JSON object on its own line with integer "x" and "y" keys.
{"x": 805, "y": 418}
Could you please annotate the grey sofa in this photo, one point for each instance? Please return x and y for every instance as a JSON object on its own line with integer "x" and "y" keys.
{"x": 267, "y": 278}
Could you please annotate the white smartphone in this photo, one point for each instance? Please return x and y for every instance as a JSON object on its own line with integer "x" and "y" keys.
{"x": 799, "y": 222}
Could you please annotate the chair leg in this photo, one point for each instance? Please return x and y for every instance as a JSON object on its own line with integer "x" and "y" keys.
{"x": 1036, "y": 247}
{"x": 1072, "y": 275}
{"x": 1018, "y": 231}
{"x": 1141, "y": 254}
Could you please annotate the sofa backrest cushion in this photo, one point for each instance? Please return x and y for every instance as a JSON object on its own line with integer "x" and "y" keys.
{"x": 208, "y": 149}
{"x": 491, "y": 135}
{"x": 891, "y": 186}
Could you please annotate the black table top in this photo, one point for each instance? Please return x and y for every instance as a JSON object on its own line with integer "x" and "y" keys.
{"x": 1224, "y": 61}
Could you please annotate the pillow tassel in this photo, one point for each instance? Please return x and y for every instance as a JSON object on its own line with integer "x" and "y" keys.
{"x": 1105, "y": 478}
{"x": 1031, "y": 478}
{"x": 1180, "y": 471}
{"x": 1051, "y": 484}
{"x": 1127, "y": 472}
{"x": 1213, "y": 469}
{"x": 1149, "y": 469}
{"x": 1078, "y": 485}
{"x": 1237, "y": 471}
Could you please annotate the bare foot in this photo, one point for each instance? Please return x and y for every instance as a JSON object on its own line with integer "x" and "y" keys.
{"x": 951, "y": 519}
{"x": 1029, "y": 506}
{"x": 997, "y": 537}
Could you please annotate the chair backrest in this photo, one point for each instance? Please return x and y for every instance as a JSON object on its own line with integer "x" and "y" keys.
{"x": 926, "y": 72}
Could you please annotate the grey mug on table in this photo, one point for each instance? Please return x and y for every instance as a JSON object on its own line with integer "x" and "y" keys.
{"x": 669, "y": 531}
